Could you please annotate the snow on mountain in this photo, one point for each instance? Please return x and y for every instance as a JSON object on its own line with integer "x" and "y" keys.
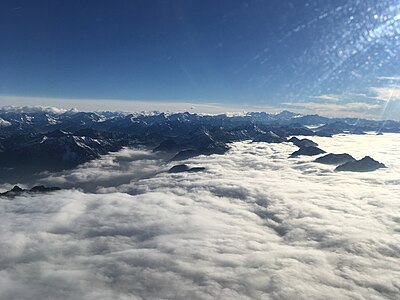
{"x": 4, "y": 123}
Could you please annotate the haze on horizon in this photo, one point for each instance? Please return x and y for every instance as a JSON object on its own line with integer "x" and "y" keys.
{"x": 328, "y": 57}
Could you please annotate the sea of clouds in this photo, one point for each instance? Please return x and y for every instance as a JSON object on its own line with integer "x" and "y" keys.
{"x": 254, "y": 225}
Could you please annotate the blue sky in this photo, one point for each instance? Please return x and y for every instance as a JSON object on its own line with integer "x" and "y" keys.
{"x": 305, "y": 55}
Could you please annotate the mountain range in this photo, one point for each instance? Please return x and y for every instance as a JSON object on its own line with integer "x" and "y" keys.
{"x": 36, "y": 139}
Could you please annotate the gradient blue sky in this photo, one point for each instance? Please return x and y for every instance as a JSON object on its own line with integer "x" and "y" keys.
{"x": 294, "y": 54}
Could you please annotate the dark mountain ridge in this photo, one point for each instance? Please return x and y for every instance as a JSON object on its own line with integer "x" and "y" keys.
{"x": 34, "y": 140}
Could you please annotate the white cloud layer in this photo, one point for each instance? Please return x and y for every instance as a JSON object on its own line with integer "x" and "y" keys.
{"x": 387, "y": 93}
{"x": 255, "y": 225}
{"x": 329, "y": 97}
{"x": 32, "y": 109}
{"x": 348, "y": 109}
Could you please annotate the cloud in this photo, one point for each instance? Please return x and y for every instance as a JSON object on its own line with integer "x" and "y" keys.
{"x": 391, "y": 78}
{"x": 110, "y": 170}
{"x": 32, "y": 109}
{"x": 387, "y": 93}
{"x": 348, "y": 109}
{"x": 329, "y": 97}
{"x": 254, "y": 225}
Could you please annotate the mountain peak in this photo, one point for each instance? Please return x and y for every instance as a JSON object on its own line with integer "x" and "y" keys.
{"x": 285, "y": 114}
{"x": 57, "y": 133}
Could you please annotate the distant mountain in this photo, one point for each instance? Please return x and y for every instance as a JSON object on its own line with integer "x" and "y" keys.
{"x": 34, "y": 139}
{"x": 308, "y": 151}
{"x": 302, "y": 142}
{"x": 269, "y": 137}
{"x": 185, "y": 168}
{"x": 55, "y": 150}
{"x": 335, "y": 159}
{"x": 367, "y": 164}
{"x": 343, "y": 127}
{"x": 198, "y": 142}
{"x": 16, "y": 190}
{"x": 209, "y": 150}
{"x": 41, "y": 120}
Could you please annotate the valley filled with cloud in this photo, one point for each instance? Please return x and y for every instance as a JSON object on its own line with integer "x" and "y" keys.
{"x": 254, "y": 224}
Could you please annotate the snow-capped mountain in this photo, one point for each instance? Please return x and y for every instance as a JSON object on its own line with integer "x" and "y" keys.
{"x": 38, "y": 139}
